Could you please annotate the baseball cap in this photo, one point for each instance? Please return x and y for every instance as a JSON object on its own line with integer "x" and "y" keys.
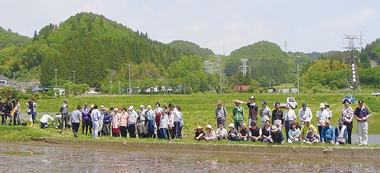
{"x": 264, "y": 102}
{"x": 252, "y": 98}
{"x": 360, "y": 102}
{"x": 219, "y": 102}
{"x": 341, "y": 121}
{"x": 327, "y": 121}
{"x": 310, "y": 129}
{"x": 304, "y": 105}
{"x": 85, "y": 104}
{"x": 142, "y": 106}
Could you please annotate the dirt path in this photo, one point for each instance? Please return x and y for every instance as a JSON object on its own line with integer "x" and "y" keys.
{"x": 51, "y": 155}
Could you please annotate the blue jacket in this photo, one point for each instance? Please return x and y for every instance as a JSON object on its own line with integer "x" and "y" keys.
{"x": 107, "y": 118}
{"x": 328, "y": 133}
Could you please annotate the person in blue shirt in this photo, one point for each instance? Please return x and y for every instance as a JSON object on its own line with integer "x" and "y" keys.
{"x": 328, "y": 133}
{"x": 341, "y": 133}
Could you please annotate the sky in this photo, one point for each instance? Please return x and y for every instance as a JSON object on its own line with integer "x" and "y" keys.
{"x": 221, "y": 25}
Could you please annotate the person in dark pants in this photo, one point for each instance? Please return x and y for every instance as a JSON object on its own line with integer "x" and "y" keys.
{"x": 348, "y": 115}
{"x": 33, "y": 109}
{"x": 75, "y": 120}
{"x": 85, "y": 118}
{"x": 64, "y": 111}
{"x": 7, "y": 108}
{"x": 132, "y": 122}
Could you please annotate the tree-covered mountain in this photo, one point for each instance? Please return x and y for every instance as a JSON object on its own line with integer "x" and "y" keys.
{"x": 189, "y": 48}
{"x": 371, "y": 53}
{"x": 267, "y": 62}
{"x": 92, "y": 46}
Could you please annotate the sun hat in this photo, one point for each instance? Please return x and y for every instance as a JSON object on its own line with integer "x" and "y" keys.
{"x": 327, "y": 104}
{"x": 209, "y": 127}
{"x": 274, "y": 128}
{"x": 198, "y": 127}
{"x": 322, "y": 105}
{"x": 115, "y": 109}
{"x": 231, "y": 125}
{"x": 327, "y": 121}
{"x": 91, "y": 106}
{"x": 142, "y": 106}
{"x": 252, "y": 98}
{"x": 218, "y": 102}
{"x": 130, "y": 107}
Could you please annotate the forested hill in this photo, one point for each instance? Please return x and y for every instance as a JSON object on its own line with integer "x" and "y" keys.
{"x": 189, "y": 48}
{"x": 7, "y": 37}
{"x": 92, "y": 46}
{"x": 266, "y": 60}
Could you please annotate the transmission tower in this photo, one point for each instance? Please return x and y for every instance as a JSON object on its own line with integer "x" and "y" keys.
{"x": 220, "y": 74}
{"x": 355, "y": 84}
{"x": 244, "y": 67}
{"x": 208, "y": 67}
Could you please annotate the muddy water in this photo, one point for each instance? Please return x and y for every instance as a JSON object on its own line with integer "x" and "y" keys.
{"x": 125, "y": 157}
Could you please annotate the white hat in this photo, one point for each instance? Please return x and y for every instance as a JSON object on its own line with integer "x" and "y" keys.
{"x": 130, "y": 107}
{"x": 209, "y": 127}
{"x": 231, "y": 125}
{"x": 142, "y": 106}
{"x": 274, "y": 129}
{"x": 322, "y": 105}
{"x": 115, "y": 109}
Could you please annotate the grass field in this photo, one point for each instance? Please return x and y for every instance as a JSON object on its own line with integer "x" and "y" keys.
{"x": 198, "y": 109}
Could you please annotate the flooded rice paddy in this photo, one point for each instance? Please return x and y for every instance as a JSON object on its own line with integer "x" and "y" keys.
{"x": 93, "y": 156}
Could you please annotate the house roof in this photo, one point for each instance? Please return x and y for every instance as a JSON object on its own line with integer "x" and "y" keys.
{"x": 2, "y": 77}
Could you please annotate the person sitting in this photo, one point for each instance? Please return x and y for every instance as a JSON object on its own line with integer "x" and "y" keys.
{"x": 328, "y": 133}
{"x": 243, "y": 134}
{"x": 210, "y": 134}
{"x": 254, "y": 132}
{"x": 266, "y": 132}
{"x": 311, "y": 137}
{"x": 277, "y": 136}
{"x": 45, "y": 119}
{"x": 232, "y": 134}
{"x": 221, "y": 132}
{"x": 199, "y": 135}
{"x": 305, "y": 129}
{"x": 341, "y": 133}
{"x": 294, "y": 133}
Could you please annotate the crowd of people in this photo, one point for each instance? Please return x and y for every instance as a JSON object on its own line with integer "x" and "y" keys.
{"x": 297, "y": 128}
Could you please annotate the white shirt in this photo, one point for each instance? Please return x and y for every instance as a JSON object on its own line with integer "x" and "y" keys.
{"x": 221, "y": 132}
{"x": 164, "y": 122}
{"x": 306, "y": 115}
{"x": 45, "y": 118}
{"x": 132, "y": 119}
{"x": 176, "y": 115}
{"x": 289, "y": 115}
{"x": 322, "y": 116}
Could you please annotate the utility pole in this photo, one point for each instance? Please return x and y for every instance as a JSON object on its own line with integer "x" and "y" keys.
{"x": 55, "y": 71}
{"x": 129, "y": 78}
{"x": 244, "y": 67}
{"x": 111, "y": 86}
{"x": 74, "y": 76}
{"x": 220, "y": 75}
{"x": 119, "y": 87}
{"x": 352, "y": 48}
{"x": 298, "y": 75}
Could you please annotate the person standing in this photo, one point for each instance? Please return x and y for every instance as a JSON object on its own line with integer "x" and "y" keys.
{"x": 171, "y": 124}
{"x": 220, "y": 113}
{"x": 123, "y": 122}
{"x": 116, "y": 122}
{"x": 86, "y": 118}
{"x": 32, "y": 110}
{"x": 132, "y": 122}
{"x": 64, "y": 111}
{"x": 141, "y": 121}
{"x": 176, "y": 119}
{"x": 16, "y": 112}
{"x": 265, "y": 112}
{"x": 277, "y": 116}
{"x": 238, "y": 116}
{"x": 361, "y": 115}
{"x": 253, "y": 109}
{"x": 150, "y": 117}
{"x": 159, "y": 112}
{"x": 289, "y": 117}
{"x": 106, "y": 121}
{"x": 76, "y": 118}
{"x": 348, "y": 116}
{"x": 322, "y": 116}
{"x": 181, "y": 121}
{"x": 305, "y": 114}
{"x": 329, "y": 113}
{"x": 164, "y": 123}
{"x": 95, "y": 116}
{"x": 7, "y": 108}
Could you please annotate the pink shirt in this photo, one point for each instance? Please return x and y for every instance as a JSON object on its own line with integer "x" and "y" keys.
{"x": 124, "y": 119}
{"x": 116, "y": 121}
